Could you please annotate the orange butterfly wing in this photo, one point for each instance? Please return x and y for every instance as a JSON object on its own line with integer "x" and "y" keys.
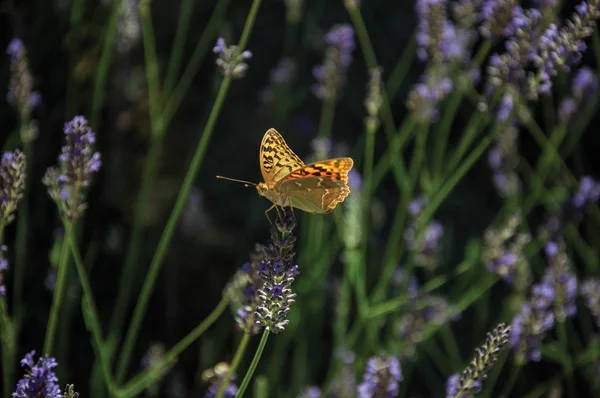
{"x": 277, "y": 160}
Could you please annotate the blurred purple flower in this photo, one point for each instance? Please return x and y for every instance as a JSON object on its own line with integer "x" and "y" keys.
{"x": 231, "y": 63}
{"x": 331, "y": 76}
{"x": 496, "y": 18}
{"x": 561, "y": 279}
{"x": 590, "y": 290}
{"x": 503, "y": 250}
{"x": 311, "y": 392}
{"x": 12, "y": 184}
{"x": 382, "y": 375}
{"x": 214, "y": 377}
{"x": 3, "y": 267}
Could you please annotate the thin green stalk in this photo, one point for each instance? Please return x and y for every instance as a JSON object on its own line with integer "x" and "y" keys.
{"x": 205, "y": 42}
{"x": 237, "y": 358}
{"x": 90, "y": 310}
{"x": 514, "y": 374}
{"x": 568, "y": 364}
{"x": 255, "y": 360}
{"x": 99, "y": 92}
{"x": 21, "y": 238}
{"x": 169, "y": 230}
{"x": 402, "y": 67}
{"x": 152, "y": 72}
{"x": 7, "y": 339}
{"x": 326, "y": 120}
{"x": 149, "y": 376}
{"x": 183, "y": 25}
{"x": 59, "y": 294}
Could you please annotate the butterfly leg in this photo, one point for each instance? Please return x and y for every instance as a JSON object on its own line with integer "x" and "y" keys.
{"x": 267, "y": 213}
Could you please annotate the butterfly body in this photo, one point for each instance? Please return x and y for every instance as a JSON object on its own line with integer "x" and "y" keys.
{"x": 288, "y": 182}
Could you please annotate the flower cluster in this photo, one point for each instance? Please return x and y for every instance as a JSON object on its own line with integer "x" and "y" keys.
{"x": 311, "y": 392}
{"x": 381, "y": 378}
{"x": 277, "y": 271}
{"x": 590, "y": 290}
{"x": 344, "y": 384}
{"x": 214, "y": 378}
{"x": 424, "y": 244}
{"x": 20, "y": 93}
{"x": 486, "y": 356}
{"x": 374, "y": 100}
{"x": 231, "y": 63}
{"x": 12, "y": 184}
{"x": 561, "y": 48}
{"x": 40, "y": 380}
{"x": 531, "y": 324}
{"x": 497, "y": 18}
{"x": 153, "y": 357}
{"x": 561, "y": 280}
{"x": 331, "y": 76}
{"x": 584, "y": 84}
{"x": 425, "y": 96}
{"x": 129, "y": 29}
{"x": 77, "y": 163}
{"x": 3, "y": 267}
{"x": 587, "y": 194}
{"x": 431, "y": 16}
{"x": 503, "y": 160}
{"x": 503, "y": 252}
{"x": 242, "y": 291}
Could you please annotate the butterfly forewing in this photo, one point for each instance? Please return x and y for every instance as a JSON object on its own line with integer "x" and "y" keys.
{"x": 277, "y": 160}
{"x": 335, "y": 169}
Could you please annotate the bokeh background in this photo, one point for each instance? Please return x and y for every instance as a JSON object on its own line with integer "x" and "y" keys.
{"x": 222, "y": 220}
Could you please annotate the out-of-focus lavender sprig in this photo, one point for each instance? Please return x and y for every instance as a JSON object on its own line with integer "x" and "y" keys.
{"x": 561, "y": 279}
{"x": 293, "y": 10}
{"x": 311, "y": 392}
{"x": 231, "y": 63}
{"x": 20, "y": 92}
{"x": 431, "y": 16}
{"x": 12, "y": 184}
{"x": 281, "y": 75}
{"x": 503, "y": 159}
{"x": 382, "y": 375}
{"x": 471, "y": 380}
{"x": 215, "y": 376}
{"x": 331, "y": 75}
{"x": 70, "y": 392}
{"x": 153, "y": 356}
{"x": 503, "y": 252}
{"x": 374, "y": 99}
{"x": 39, "y": 380}
{"x": 588, "y": 193}
{"x": 584, "y": 84}
{"x": 590, "y": 290}
{"x": 344, "y": 384}
{"x": 242, "y": 292}
{"x": 3, "y": 267}
{"x": 497, "y": 18}
{"x": 76, "y": 165}
{"x": 129, "y": 28}
{"x": 425, "y": 246}
{"x": 278, "y": 271}
{"x": 531, "y": 324}
{"x": 561, "y": 48}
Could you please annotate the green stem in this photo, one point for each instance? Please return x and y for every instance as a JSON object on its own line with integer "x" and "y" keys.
{"x": 90, "y": 309}
{"x": 167, "y": 234}
{"x": 237, "y": 358}
{"x": 59, "y": 293}
{"x": 149, "y": 376}
{"x": 103, "y": 66}
{"x": 401, "y": 69}
{"x": 183, "y": 25}
{"x": 206, "y": 40}
{"x": 327, "y": 114}
{"x": 255, "y": 360}
{"x": 6, "y": 338}
{"x": 516, "y": 368}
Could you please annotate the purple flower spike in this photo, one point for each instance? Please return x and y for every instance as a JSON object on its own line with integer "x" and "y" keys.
{"x": 40, "y": 380}
{"x": 381, "y": 378}
{"x": 331, "y": 76}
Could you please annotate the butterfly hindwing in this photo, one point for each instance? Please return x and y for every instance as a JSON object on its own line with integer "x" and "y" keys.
{"x": 314, "y": 194}
{"x": 277, "y": 160}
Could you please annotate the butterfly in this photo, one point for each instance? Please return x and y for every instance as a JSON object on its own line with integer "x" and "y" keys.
{"x": 315, "y": 188}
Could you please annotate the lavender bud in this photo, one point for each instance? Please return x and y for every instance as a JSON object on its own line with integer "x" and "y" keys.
{"x": 231, "y": 63}
{"x": 214, "y": 378}
{"x": 331, "y": 76}
{"x": 12, "y": 184}
{"x": 496, "y": 16}
{"x": 382, "y": 375}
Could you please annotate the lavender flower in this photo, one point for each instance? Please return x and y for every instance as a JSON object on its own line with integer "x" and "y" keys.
{"x": 3, "y": 267}
{"x": 12, "y": 184}
{"x": 503, "y": 160}
{"x": 39, "y": 380}
{"x": 464, "y": 13}
{"x": 374, "y": 100}
{"x": 587, "y": 194}
{"x": 497, "y": 16}
{"x": 215, "y": 376}
{"x": 530, "y": 326}
{"x": 425, "y": 96}
{"x": 425, "y": 244}
{"x": 242, "y": 292}
{"x": 277, "y": 271}
{"x": 381, "y": 378}
{"x": 453, "y": 388}
{"x": 70, "y": 392}
{"x": 431, "y": 16}
{"x": 283, "y": 74}
{"x": 503, "y": 252}
{"x": 486, "y": 356}
{"x": 590, "y": 290}
{"x": 561, "y": 48}
{"x": 20, "y": 93}
{"x": 231, "y": 63}
{"x": 311, "y": 392}
{"x": 344, "y": 384}
{"x": 152, "y": 357}
{"x": 562, "y": 281}
{"x": 129, "y": 29}
{"x": 331, "y": 76}
{"x": 77, "y": 163}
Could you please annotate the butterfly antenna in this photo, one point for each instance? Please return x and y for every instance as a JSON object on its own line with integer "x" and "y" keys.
{"x": 246, "y": 183}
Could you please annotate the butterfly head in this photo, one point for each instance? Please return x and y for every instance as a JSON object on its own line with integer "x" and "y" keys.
{"x": 262, "y": 188}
